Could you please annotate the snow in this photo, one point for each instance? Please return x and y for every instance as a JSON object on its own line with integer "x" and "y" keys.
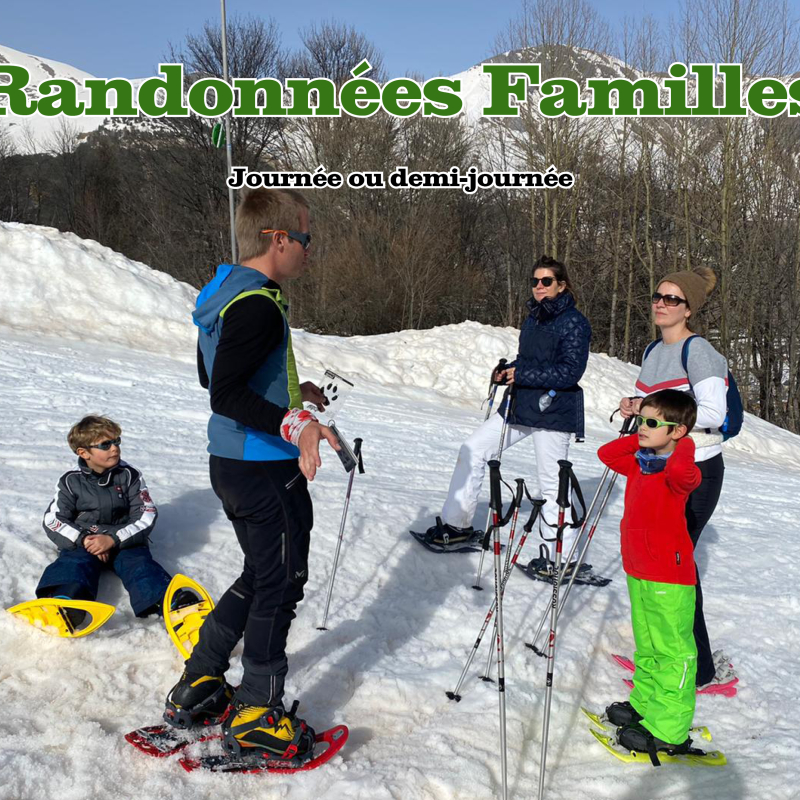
{"x": 85, "y": 330}
{"x": 36, "y": 133}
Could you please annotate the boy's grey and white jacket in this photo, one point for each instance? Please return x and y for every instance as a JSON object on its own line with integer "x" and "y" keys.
{"x": 115, "y": 502}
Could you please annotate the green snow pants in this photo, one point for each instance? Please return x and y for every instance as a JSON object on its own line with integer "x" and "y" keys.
{"x": 662, "y": 615}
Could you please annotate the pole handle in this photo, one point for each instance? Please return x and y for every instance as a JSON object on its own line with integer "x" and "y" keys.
{"x": 357, "y": 453}
{"x": 495, "y": 496}
{"x": 564, "y": 469}
{"x": 501, "y": 364}
{"x": 535, "y": 511}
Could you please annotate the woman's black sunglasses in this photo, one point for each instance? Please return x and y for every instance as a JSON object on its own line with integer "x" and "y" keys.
{"x": 546, "y": 282}
{"x": 671, "y": 300}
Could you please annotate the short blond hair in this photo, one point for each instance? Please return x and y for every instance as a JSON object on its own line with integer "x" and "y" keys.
{"x": 92, "y": 427}
{"x": 259, "y": 209}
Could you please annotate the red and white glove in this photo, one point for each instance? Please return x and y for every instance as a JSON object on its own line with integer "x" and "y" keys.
{"x": 293, "y": 424}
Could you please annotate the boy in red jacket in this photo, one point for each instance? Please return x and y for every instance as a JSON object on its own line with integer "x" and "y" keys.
{"x": 657, "y": 556}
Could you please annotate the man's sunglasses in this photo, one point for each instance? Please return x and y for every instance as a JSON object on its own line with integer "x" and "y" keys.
{"x": 303, "y": 238}
{"x": 671, "y": 300}
{"x": 546, "y": 282}
{"x": 106, "y": 445}
{"x": 652, "y": 422}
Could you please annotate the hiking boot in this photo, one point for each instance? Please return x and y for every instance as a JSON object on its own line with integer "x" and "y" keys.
{"x": 623, "y": 713}
{"x": 197, "y": 700}
{"x": 443, "y": 534}
{"x": 250, "y": 729}
{"x": 636, "y": 737}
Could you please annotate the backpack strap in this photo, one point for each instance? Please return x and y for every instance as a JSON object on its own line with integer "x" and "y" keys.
{"x": 685, "y": 364}
{"x": 649, "y": 349}
{"x": 685, "y": 356}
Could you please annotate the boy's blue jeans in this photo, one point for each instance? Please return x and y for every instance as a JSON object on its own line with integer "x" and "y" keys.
{"x": 76, "y": 574}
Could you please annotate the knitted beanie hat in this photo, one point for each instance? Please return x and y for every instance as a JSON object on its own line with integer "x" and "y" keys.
{"x": 696, "y": 285}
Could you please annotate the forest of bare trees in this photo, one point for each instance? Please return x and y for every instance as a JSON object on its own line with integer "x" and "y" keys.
{"x": 652, "y": 195}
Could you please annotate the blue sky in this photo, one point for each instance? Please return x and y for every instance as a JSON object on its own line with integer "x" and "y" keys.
{"x": 112, "y": 38}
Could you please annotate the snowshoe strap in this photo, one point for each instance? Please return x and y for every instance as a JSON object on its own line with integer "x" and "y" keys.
{"x": 268, "y": 720}
{"x": 431, "y": 536}
{"x": 291, "y": 750}
{"x": 652, "y": 752}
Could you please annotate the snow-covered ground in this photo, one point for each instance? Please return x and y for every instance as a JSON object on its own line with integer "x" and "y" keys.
{"x": 85, "y": 330}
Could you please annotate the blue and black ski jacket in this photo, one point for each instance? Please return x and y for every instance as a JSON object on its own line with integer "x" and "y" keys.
{"x": 245, "y": 360}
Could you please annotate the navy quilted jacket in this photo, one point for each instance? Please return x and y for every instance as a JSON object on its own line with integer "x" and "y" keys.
{"x": 553, "y": 351}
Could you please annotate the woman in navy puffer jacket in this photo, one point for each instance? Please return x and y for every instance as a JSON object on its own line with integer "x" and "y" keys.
{"x": 553, "y": 351}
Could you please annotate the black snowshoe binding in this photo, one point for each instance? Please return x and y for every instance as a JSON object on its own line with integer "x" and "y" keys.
{"x": 184, "y": 598}
{"x": 635, "y": 737}
{"x": 543, "y": 569}
{"x": 197, "y": 700}
{"x": 442, "y": 538}
{"x": 268, "y": 732}
{"x": 620, "y": 714}
{"x": 74, "y": 617}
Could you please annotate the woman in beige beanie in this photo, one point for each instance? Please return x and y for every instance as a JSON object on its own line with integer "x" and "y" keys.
{"x": 675, "y": 303}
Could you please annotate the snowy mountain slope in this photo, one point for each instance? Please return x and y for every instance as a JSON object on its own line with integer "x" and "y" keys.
{"x": 402, "y": 619}
{"x": 38, "y": 134}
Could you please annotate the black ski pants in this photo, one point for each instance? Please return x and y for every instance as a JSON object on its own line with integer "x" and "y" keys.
{"x": 699, "y": 508}
{"x": 270, "y": 509}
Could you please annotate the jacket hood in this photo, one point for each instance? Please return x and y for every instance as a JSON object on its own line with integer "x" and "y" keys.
{"x": 230, "y": 280}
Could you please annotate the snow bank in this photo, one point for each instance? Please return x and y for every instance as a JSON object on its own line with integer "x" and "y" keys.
{"x": 402, "y": 619}
{"x": 57, "y": 283}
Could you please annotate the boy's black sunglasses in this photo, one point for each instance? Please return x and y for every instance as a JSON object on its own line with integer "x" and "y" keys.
{"x": 303, "y": 238}
{"x": 546, "y": 282}
{"x": 671, "y": 300}
{"x": 106, "y": 445}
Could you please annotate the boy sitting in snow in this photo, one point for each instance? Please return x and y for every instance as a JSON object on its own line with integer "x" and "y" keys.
{"x": 101, "y": 517}
{"x": 657, "y": 556}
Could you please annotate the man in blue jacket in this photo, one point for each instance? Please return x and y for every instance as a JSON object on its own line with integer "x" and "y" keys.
{"x": 263, "y": 448}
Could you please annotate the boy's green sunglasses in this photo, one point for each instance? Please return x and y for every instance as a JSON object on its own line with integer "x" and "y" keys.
{"x": 652, "y": 422}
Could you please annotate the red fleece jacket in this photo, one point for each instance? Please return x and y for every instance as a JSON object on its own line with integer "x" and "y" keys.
{"x": 655, "y": 541}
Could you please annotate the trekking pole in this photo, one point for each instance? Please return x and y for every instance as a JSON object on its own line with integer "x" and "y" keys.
{"x": 582, "y": 556}
{"x": 510, "y": 400}
{"x": 511, "y": 561}
{"x": 497, "y": 510}
{"x": 454, "y": 695}
{"x": 566, "y": 479}
{"x": 357, "y": 454}
{"x": 501, "y": 365}
{"x": 509, "y": 545}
